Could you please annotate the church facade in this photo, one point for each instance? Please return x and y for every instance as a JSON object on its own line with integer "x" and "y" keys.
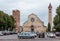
{"x": 34, "y": 24}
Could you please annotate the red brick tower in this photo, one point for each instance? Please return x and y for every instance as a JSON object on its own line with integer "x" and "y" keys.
{"x": 50, "y": 15}
{"x": 16, "y": 15}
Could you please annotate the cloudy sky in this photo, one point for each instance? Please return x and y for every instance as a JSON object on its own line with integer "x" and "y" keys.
{"x": 26, "y": 7}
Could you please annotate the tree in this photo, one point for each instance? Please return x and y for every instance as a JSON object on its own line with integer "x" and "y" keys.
{"x": 57, "y": 27}
{"x": 49, "y": 27}
{"x": 56, "y": 20}
{"x": 11, "y": 24}
{"x": 6, "y": 21}
{"x": 58, "y": 10}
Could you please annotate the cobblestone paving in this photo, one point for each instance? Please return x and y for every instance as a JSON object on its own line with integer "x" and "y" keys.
{"x": 15, "y": 38}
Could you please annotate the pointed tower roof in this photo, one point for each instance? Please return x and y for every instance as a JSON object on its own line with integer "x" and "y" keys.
{"x": 50, "y": 6}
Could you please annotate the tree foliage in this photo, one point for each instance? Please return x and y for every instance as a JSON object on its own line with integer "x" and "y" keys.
{"x": 58, "y": 10}
{"x": 49, "y": 27}
{"x": 56, "y": 20}
{"x": 57, "y": 27}
{"x": 6, "y": 21}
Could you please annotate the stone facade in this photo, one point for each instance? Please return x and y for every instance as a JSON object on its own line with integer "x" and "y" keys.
{"x": 34, "y": 24}
{"x": 16, "y": 15}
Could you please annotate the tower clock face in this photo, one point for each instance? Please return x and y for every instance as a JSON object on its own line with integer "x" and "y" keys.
{"x": 32, "y": 19}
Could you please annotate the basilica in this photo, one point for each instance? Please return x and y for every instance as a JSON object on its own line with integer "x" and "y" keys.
{"x": 33, "y": 23}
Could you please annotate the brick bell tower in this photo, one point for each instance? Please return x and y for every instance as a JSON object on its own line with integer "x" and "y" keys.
{"x": 16, "y": 15}
{"x": 50, "y": 15}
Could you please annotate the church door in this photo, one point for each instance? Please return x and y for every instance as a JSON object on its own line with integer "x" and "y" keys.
{"x": 32, "y": 28}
